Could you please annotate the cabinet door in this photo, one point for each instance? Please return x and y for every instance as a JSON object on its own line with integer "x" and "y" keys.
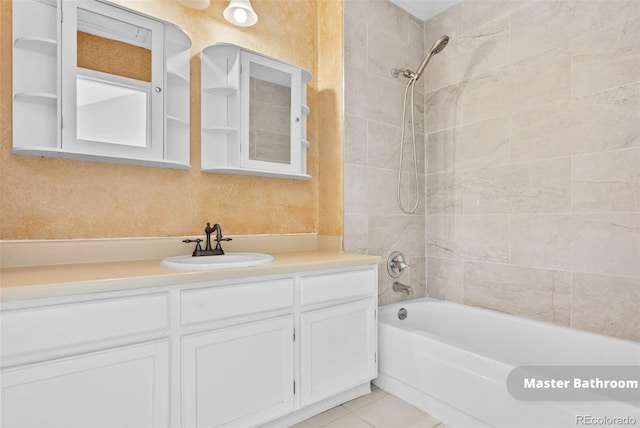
{"x": 238, "y": 377}
{"x": 112, "y": 80}
{"x": 338, "y": 349}
{"x": 123, "y": 387}
{"x": 270, "y": 114}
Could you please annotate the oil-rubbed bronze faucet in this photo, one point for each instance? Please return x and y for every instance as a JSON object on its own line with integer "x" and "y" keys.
{"x": 208, "y": 251}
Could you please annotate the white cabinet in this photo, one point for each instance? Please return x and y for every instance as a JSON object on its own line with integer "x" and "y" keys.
{"x": 105, "y": 83}
{"x": 338, "y": 349}
{"x": 238, "y": 376}
{"x": 254, "y": 114}
{"x": 228, "y": 353}
{"x": 122, "y": 387}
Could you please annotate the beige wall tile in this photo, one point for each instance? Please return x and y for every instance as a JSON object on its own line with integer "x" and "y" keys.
{"x": 369, "y": 96}
{"x": 478, "y": 13}
{"x": 443, "y": 108}
{"x": 355, "y": 42}
{"x": 416, "y": 34}
{"x": 445, "y": 279}
{"x": 355, "y": 140}
{"x": 481, "y": 144}
{"x": 386, "y": 53}
{"x": 543, "y": 24}
{"x": 369, "y": 190}
{"x": 381, "y": 15}
{"x": 356, "y": 233}
{"x": 448, "y": 22}
{"x": 607, "y": 182}
{"x": 540, "y": 294}
{"x": 444, "y": 193}
{"x": 473, "y": 237}
{"x": 533, "y": 81}
{"x": 606, "y": 120}
{"x": 408, "y": 197}
{"x": 418, "y": 275}
{"x": 606, "y": 59}
{"x": 543, "y": 186}
{"x": 400, "y": 232}
{"x": 384, "y": 145}
{"x": 468, "y": 54}
{"x": 597, "y": 243}
{"x": 606, "y": 304}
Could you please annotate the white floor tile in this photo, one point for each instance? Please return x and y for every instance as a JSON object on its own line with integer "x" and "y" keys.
{"x": 391, "y": 412}
{"x": 348, "y": 421}
{"x": 375, "y": 394}
{"x": 323, "y": 418}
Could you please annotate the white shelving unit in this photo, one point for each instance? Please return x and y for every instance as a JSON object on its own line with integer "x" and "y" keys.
{"x": 226, "y": 112}
{"x": 39, "y": 58}
{"x": 35, "y": 65}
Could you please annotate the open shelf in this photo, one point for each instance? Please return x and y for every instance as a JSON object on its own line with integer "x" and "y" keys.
{"x": 258, "y": 173}
{"x": 41, "y": 98}
{"x": 175, "y": 78}
{"x": 224, "y": 91}
{"x": 221, "y": 129}
{"x": 41, "y": 45}
{"x": 176, "y": 121}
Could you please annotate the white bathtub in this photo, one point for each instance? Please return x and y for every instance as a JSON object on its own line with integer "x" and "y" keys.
{"x": 452, "y": 361}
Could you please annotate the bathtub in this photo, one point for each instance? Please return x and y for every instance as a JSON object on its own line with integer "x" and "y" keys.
{"x": 452, "y": 361}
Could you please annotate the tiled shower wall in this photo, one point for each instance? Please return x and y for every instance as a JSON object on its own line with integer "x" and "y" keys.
{"x": 533, "y": 159}
{"x": 378, "y": 37}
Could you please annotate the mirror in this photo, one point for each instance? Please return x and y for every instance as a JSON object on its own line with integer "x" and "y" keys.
{"x": 104, "y": 84}
{"x": 113, "y": 80}
{"x": 269, "y": 115}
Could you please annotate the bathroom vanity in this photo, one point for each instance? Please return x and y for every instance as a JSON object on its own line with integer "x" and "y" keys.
{"x": 267, "y": 345}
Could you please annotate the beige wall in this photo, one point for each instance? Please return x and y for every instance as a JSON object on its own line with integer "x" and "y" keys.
{"x": 330, "y": 103}
{"x": 533, "y": 160}
{"x": 52, "y": 198}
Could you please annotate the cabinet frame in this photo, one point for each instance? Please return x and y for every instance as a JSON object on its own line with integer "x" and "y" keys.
{"x": 53, "y": 107}
{"x": 225, "y": 113}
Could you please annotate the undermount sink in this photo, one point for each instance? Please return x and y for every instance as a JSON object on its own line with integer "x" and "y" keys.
{"x": 228, "y": 260}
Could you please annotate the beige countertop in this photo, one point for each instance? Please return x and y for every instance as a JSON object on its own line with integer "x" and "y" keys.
{"x": 59, "y": 280}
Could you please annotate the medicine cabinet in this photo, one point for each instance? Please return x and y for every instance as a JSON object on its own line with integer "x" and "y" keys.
{"x": 96, "y": 81}
{"x": 254, "y": 114}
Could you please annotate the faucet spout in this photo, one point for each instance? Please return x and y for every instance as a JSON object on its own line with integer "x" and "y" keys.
{"x": 208, "y": 249}
{"x": 401, "y": 288}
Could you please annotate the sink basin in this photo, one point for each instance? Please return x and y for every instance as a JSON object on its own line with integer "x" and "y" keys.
{"x": 228, "y": 260}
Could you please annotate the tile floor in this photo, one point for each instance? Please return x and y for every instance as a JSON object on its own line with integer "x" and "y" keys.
{"x": 378, "y": 409}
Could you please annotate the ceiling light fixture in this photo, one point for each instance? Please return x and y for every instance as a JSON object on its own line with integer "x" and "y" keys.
{"x": 240, "y": 13}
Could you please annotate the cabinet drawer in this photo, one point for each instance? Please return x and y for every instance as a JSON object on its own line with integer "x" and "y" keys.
{"x": 339, "y": 285}
{"x": 59, "y": 326}
{"x": 216, "y": 303}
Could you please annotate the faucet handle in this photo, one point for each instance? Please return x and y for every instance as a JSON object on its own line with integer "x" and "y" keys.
{"x": 198, "y": 247}
{"x": 188, "y": 241}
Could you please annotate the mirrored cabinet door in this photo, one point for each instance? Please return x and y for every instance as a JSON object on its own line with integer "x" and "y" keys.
{"x": 254, "y": 114}
{"x": 112, "y": 81}
{"x": 270, "y": 114}
{"x": 120, "y": 90}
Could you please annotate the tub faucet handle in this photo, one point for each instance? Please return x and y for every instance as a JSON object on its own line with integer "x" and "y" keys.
{"x": 396, "y": 264}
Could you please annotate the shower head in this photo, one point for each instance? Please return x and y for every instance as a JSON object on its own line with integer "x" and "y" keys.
{"x": 437, "y": 47}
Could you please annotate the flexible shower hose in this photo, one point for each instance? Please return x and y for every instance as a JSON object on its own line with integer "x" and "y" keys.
{"x": 411, "y": 83}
